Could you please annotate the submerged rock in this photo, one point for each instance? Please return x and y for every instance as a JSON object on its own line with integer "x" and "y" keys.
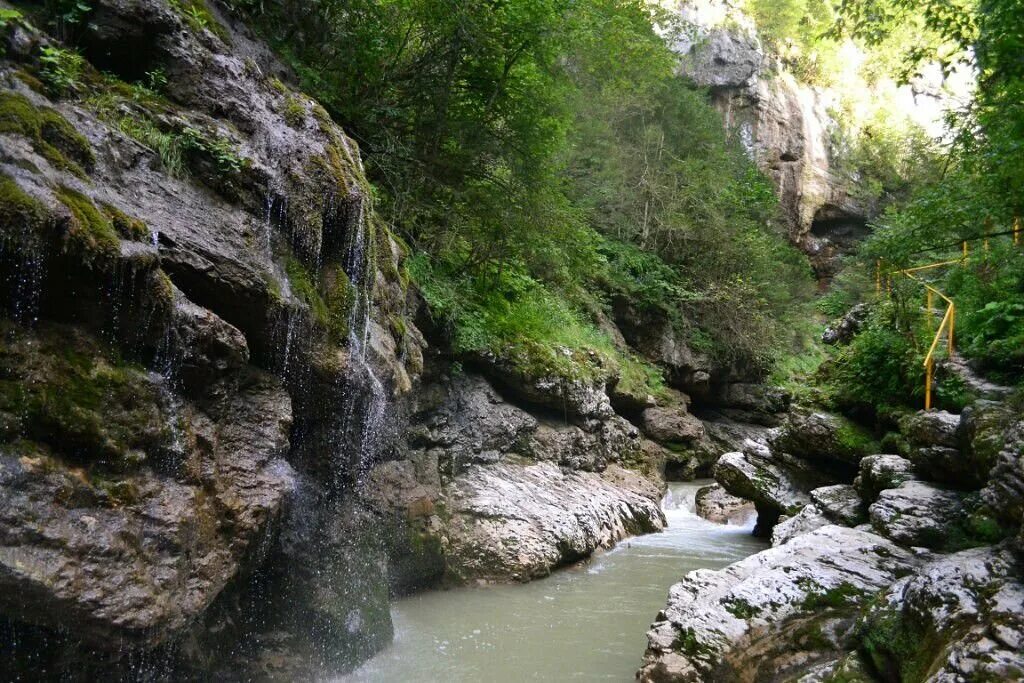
{"x": 775, "y": 615}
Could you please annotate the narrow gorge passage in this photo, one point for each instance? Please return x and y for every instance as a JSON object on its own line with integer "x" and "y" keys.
{"x": 585, "y": 622}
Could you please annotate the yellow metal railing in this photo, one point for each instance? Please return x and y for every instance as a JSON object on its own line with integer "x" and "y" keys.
{"x": 948, "y": 323}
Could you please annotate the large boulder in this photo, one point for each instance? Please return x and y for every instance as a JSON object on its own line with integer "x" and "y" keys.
{"x": 958, "y": 618}
{"x": 1004, "y": 493}
{"x": 841, "y": 503}
{"x": 484, "y": 490}
{"x": 518, "y": 522}
{"x": 768, "y": 483}
{"x": 775, "y": 615}
{"x": 714, "y": 504}
{"x": 984, "y": 430}
{"x": 672, "y": 424}
{"x": 128, "y": 507}
{"x": 918, "y": 514}
{"x": 803, "y": 522}
{"x": 881, "y": 472}
{"x": 816, "y": 435}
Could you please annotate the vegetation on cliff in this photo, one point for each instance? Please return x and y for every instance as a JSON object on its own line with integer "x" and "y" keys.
{"x": 540, "y": 157}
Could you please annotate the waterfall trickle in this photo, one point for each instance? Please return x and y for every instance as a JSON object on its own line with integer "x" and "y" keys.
{"x": 366, "y": 404}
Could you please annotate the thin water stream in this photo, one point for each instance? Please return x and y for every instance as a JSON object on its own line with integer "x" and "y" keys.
{"x": 585, "y": 623}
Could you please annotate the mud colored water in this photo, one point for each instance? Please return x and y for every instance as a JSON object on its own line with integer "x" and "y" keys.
{"x": 583, "y": 623}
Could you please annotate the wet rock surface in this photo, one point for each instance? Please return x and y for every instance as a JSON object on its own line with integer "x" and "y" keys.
{"x": 487, "y": 491}
{"x": 131, "y": 546}
{"x": 776, "y": 614}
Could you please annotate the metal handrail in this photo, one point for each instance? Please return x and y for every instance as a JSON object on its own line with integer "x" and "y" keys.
{"x": 949, "y": 318}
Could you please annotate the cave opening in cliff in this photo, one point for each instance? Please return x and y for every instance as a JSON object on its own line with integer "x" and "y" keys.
{"x": 841, "y": 227}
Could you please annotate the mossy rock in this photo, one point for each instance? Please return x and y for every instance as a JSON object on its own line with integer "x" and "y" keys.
{"x": 51, "y": 135}
{"x": 19, "y": 210}
{"x": 126, "y": 226}
{"x": 64, "y": 389}
{"x": 91, "y": 232}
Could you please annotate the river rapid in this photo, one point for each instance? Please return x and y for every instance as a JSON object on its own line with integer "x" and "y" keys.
{"x": 587, "y": 622}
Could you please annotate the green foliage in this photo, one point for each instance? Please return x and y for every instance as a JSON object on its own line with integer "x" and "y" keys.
{"x": 540, "y": 156}
{"x": 125, "y": 225}
{"x": 18, "y": 210}
{"x": 169, "y": 146}
{"x": 513, "y": 316}
{"x": 796, "y": 31}
{"x": 221, "y": 151}
{"x": 50, "y": 133}
{"x": 294, "y": 111}
{"x": 989, "y": 291}
{"x": 880, "y": 368}
{"x": 60, "y": 69}
{"x": 198, "y": 17}
{"x": 8, "y": 17}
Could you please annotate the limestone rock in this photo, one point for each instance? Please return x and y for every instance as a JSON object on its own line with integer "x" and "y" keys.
{"x": 714, "y": 504}
{"x": 917, "y": 514}
{"x": 518, "y": 522}
{"x": 843, "y": 330}
{"x": 775, "y": 615}
{"x": 932, "y": 428}
{"x": 803, "y": 522}
{"x": 672, "y": 425}
{"x": 785, "y": 127}
{"x": 761, "y": 480}
{"x": 137, "y": 549}
{"x": 841, "y": 503}
{"x": 880, "y": 472}
{"x": 1004, "y": 493}
{"x": 815, "y": 435}
{"x": 958, "y": 618}
{"x": 984, "y": 428}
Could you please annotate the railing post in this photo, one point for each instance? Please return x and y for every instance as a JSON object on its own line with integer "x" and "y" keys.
{"x": 1016, "y": 230}
{"x": 928, "y": 309}
{"x": 965, "y": 250}
{"x": 952, "y": 323}
{"x": 928, "y": 384}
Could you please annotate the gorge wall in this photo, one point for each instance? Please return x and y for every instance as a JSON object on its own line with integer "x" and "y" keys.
{"x": 785, "y": 126}
{"x": 224, "y": 441}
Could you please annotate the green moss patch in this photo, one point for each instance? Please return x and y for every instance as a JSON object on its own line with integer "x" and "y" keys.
{"x": 842, "y": 596}
{"x": 18, "y": 209}
{"x": 51, "y": 135}
{"x": 126, "y": 226}
{"x": 62, "y": 388}
{"x": 91, "y": 232}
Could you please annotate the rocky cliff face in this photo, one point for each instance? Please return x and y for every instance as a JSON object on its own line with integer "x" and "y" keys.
{"x": 202, "y": 322}
{"x": 786, "y": 128}
{"x": 217, "y": 456}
